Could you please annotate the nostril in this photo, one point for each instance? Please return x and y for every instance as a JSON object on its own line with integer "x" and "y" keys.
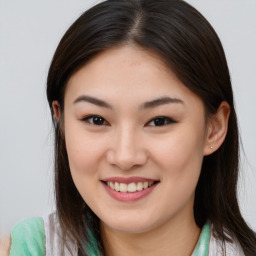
{"x": 126, "y": 160}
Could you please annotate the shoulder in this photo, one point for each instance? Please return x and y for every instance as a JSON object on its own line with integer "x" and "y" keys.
{"x": 5, "y": 243}
{"x": 28, "y": 238}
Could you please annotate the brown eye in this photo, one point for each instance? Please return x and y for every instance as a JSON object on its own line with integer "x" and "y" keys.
{"x": 161, "y": 121}
{"x": 95, "y": 120}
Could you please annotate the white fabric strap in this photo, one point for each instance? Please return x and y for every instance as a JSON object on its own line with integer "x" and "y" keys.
{"x": 53, "y": 238}
{"x": 232, "y": 249}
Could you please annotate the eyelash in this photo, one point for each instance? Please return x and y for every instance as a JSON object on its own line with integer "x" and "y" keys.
{"x": 87, "y": 119}
{"x": 102, "y": 121}
{"x": 167, "y": 120}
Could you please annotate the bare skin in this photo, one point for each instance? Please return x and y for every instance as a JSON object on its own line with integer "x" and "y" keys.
{"x": 163, "y": 240}
{"x": 5, "y": 243}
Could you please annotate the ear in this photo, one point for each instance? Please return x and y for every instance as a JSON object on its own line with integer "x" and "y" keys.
{"x": 217, "y": 129}
{"x": 56, "y": 110}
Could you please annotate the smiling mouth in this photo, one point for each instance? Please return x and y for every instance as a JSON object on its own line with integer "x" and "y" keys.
{"x": 130, "y": 187}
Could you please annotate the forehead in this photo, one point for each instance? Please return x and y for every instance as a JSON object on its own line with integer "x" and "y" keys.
{"x": 127, "y": 73}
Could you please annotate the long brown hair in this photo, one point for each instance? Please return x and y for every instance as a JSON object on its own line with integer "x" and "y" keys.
{"x": 188, "y": 44}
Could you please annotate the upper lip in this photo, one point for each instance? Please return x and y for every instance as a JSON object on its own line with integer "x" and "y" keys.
{"x": 127, "y": 180}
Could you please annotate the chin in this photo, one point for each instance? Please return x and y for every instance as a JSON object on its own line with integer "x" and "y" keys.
{"x": 131, "y": 228}
{"x": 131, "y": 224}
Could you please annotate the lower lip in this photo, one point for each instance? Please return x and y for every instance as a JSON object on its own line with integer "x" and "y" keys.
{"x": 129, "y": 196}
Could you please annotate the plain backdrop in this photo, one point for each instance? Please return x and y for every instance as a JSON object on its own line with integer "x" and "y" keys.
{"x": 29, "y": 33}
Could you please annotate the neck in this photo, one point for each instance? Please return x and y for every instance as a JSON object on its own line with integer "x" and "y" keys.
{"x": 168, "y": 239}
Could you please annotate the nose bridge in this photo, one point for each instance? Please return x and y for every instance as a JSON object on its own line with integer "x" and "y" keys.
{"x": 127, "y": 147}
{"x": 126, "y": 141}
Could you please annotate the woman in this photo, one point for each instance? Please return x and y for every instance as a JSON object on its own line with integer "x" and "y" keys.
{"x": 146, "y": 138}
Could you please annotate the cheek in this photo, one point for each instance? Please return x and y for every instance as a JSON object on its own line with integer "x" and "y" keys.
{"x": 179, "y": 152}
{"x": 180, "y": 157}
{"x": 83, "y": 156}
{"x": 83, "y": 151}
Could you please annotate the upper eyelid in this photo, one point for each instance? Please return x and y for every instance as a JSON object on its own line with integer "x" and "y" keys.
{"x": 164, "y": 117}
{"x": 155, "y": 117}
{"x": 92, "y": 116}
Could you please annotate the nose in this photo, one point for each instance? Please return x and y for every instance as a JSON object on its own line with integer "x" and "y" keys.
{"x": 127, "y": 151}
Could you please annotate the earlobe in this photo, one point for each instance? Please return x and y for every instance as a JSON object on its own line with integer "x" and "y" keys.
{"x": 56, "y": 110}
{"x": 217, "y": 129}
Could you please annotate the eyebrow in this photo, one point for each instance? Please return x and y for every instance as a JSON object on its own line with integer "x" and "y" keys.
{"x": 160, "y": 101}
{"x": 146, "y": 105}
{"x": 93, "y": 100}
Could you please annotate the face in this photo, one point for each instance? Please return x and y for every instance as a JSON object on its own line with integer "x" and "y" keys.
{"x": 135, "y": 138}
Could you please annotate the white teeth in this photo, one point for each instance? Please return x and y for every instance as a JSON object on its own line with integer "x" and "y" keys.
{"x": 131, "y": 187}
{"x": 139, "y": 186}
{"x": 145, "y": 184}
{"x": 112, "y": 185}
{"x": 123, "y": 187}
{"x": 117, "y": 186}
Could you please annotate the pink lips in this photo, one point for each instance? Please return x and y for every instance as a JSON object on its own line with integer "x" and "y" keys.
{"x": 128, "y": 196}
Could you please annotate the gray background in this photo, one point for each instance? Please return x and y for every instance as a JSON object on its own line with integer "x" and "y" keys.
{"x": 29, "y": 33}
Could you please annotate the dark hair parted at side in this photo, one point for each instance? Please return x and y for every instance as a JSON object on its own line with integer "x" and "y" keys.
{"x": 185, "y": 40}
